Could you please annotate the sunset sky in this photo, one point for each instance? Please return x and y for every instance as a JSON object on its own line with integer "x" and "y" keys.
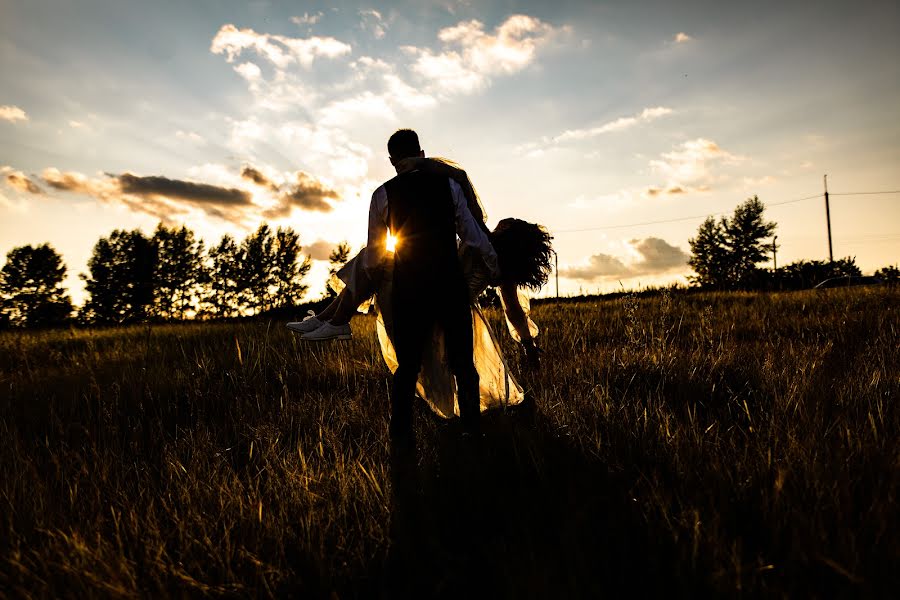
{"x": 582, "y": 116}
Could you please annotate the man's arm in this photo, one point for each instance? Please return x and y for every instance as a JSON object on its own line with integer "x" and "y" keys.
{"x": 469, "y": 231}
{"x": 376, "y": 246}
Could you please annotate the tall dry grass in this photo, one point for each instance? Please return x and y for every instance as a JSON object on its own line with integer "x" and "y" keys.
{"x": 725, "y": 444}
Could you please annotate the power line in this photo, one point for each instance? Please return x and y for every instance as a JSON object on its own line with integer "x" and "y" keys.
{"x": 691, "y": 218}
{"x": 865, "y": 193}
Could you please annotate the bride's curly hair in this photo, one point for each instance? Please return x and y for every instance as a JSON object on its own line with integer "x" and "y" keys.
{"x": 524, "y": 252}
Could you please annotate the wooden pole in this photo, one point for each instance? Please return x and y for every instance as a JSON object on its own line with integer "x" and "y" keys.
{"x": 775, "y": 254}
{"x": 828, "y": 221}
{"x": 556, "y": 269}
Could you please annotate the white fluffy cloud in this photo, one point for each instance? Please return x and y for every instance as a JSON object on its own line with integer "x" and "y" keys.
{"x": 651, "y": 256}
{"x": 688, "y": 168}
{"x": 471, "y": 56}
{"x": 318, "y": 108}
{"x": 281, "y": 51}
{"x": 682, "y": 37}
{"x": 12, "y": 114}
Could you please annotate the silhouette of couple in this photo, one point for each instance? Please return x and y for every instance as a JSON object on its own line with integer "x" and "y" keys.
{"x": 433, "y": 336}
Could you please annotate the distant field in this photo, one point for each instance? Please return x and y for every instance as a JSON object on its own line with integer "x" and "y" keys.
{"x": 725, "y": 444}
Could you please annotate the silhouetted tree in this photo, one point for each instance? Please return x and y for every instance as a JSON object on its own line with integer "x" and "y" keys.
{"x": 709, "y": 255}
{"x": 120, "y": 278}
{"x": 223, "y": 268}
{"x": 724, "y": 254}
{"x": 288, "y": 270}
{"x": 804, "y": 274}
{"x": 889, "y": 274}
{"x": 255, "y": 269}
{"x": 745, "y": 237}
{"x": 337, "y": 259}
{"x": 178, "y": 270}
{"x": 31, "y": 292}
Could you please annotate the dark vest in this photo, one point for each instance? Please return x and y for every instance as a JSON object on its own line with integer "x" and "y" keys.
{"x": 422, "y": 218}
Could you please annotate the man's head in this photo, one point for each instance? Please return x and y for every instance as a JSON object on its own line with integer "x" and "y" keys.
{"x": 404, "y": 144}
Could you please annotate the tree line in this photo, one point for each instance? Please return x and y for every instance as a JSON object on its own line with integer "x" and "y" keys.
{"x": 132, "y": 277}
{"x": 726, "y": 253}
{"x": 172, "y": 274}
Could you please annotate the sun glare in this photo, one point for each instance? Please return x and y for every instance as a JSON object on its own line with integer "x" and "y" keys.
{"x": 391, "y": 243}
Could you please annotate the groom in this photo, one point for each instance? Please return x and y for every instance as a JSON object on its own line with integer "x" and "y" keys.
{"x": 425, "y": 212}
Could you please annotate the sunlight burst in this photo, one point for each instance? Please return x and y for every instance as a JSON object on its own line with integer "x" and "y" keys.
{"x": 391, "y": 243}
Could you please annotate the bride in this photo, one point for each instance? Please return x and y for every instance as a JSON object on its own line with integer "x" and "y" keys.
{"x": 524, "y": 253}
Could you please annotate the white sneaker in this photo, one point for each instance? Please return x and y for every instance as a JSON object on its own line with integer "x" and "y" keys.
{"x": 310, "y": 323}
{"x": 327, "y": 331}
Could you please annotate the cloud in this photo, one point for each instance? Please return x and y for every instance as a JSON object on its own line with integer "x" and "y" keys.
{"x": 77, "y": 125}
{"x": 668, "y": 191}
{"x": 308, "y": 19}
{"x": 160, "y": 197}
{"x": 654, "y": 256}
{"x": 12, "y": 113}
{"x": 19, "y": 181}
{"x": 319, "y": 250}
{"x": 372, "y": 21}
{"x": 682, "y": 37}
{"x": 471, "y": 56}
{"x": 71, "y": 181}
{"x": 759, "y": 181}
{"x": 645, "y": 116}
{"x": 258, "y": 177}
{"x": 178, "y": 189}
{"x": 307, "y": 193}
{"x": 279, "y": 50}
{"x": 190, "y": 136}
{"x": 536, "y": 149}
{"x": 688, "y": 168}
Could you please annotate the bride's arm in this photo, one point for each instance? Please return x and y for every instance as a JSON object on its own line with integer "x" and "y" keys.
{"x": 449, "y": 169}
{"x": 515, "y": 313}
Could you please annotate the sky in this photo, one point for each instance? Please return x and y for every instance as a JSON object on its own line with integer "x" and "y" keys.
{"x": 617, "y": 125}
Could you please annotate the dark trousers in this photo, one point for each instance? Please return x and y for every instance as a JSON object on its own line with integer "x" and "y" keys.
{"x": 414, "y": 316}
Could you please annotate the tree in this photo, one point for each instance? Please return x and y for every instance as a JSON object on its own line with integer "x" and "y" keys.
{"x": 255, "y": 269}
{"x": 223, "y": 277}
{"x": 120, "y": 278}
{"x": 804, "y": 274}
{"x": 288, "y": 270}
{"x": 337, "y": 259}
{"x": 724, "y": 254}
{"x": 31, "y": 289}
{"x": 889, "y": 274}
{"x": 745, "y": 235}
{"x": 709, "y": 255}
{"x": 178, "y": 270}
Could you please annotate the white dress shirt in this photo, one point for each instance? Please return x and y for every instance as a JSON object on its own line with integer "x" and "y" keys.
{"x": 470, "y": 234}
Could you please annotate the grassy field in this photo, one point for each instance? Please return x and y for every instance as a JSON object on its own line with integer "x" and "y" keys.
{"x": 707, "y": 444}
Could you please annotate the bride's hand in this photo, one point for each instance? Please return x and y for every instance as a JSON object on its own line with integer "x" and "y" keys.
{"x": 532, "y": 354}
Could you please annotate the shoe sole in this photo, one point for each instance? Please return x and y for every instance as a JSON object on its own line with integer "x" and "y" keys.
{"x": 300, "y": 331}
{"x": 340, "y": 336}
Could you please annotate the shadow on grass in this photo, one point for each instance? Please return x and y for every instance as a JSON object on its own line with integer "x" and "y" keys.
{"x": 517, "y": 514}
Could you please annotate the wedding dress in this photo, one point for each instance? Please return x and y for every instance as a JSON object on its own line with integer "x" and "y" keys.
{"x": 436, "y": 384}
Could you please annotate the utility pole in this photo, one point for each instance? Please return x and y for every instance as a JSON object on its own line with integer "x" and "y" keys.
{"x": 556, "y": 269}
{"x": 828, "y": 221}
{"x": 775, "y": 254}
